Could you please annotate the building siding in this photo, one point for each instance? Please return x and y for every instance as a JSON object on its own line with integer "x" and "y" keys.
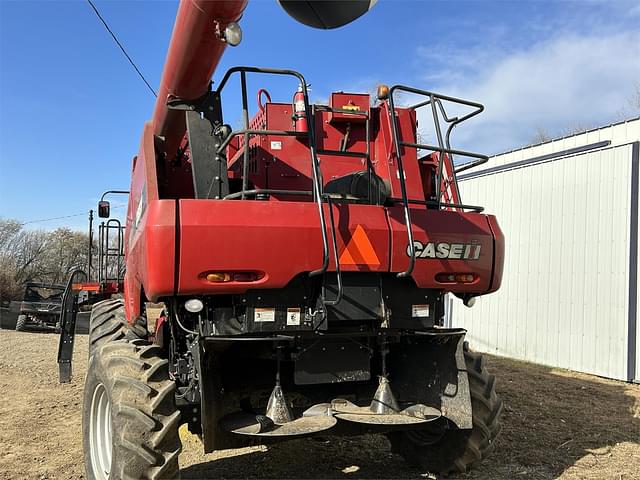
{"x": 565, "y": 296}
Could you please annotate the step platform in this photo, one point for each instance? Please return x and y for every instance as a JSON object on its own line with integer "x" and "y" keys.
{"x": 313, "y": 420}
{"x": 324, "y": 416}
{"x": 413, "y": 415}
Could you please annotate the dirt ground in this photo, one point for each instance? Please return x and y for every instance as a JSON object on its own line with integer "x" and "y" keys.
{"x": 557, "y": 424}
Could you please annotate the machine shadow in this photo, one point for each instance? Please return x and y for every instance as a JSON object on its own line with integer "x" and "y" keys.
{"x": 367, "y": 456}
{"x": 552, "y": 419}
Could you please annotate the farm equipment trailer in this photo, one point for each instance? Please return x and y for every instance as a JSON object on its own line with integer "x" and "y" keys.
{"x": 302, "y": 261}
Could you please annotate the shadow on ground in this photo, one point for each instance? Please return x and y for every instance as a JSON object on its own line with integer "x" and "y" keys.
{"x": 555, "y": 424}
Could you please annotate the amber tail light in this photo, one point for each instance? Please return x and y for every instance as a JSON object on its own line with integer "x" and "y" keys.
{"x": 456, "y": 278}
{"x": 242, "y": 277}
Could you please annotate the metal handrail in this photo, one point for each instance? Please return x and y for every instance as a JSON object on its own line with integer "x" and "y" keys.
{"x": 336, "y": 300}
{"x": 107, "y": 253}
{"x": 247, "y": 131}
{"x": 444, "y": 147}
{"x": 433, "y": 203}
{"x": 254, "y": 131}
{"x": 268, "y": 191}
{"x": 403, "y": 186}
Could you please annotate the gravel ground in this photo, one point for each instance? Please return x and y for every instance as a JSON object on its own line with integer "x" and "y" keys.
{"x": 557, "y": 424}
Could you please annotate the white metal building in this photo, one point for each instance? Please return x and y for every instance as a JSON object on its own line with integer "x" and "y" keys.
{"x": 569, "y": 212}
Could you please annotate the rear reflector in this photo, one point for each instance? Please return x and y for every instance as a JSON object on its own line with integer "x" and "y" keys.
{"x": 455, "y": 278}
{"x": 218, "y": 277}
{"x": 242, "y": 277}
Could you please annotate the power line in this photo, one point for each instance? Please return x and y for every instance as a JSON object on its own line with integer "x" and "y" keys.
{"x": 67, "y": 216}
{"x": 54, "y": 218}
{"x": 122, "y": 48}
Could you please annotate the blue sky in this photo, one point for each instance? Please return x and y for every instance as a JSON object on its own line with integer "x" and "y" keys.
{"x": 72, "y": 108}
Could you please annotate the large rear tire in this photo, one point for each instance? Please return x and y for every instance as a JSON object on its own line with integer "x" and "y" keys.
{"x": 108, "y": 323}
{"x": 130, "y": 421}
{"x": 21, "y": 323}
{"x": 452, "y": 450}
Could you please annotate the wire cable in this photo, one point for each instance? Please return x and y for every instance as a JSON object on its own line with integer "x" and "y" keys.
{"x": 122, "y": 48}
{"x": 67, "y": 216}
{"x": 53, "y": 218}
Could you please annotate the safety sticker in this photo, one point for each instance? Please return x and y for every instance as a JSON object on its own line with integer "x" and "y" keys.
{"x": 419, "y": 310}
{"x": 264, "y": 315}
{"x": 275, "y": 145}
{"x": 359, "y": 250}
{"x": 293, "y": 316}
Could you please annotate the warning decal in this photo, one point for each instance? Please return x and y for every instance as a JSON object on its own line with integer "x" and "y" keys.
{"x": 419, "y": 310}
{"x": 359, "y": 250}
{"x": 293, "y": 316}
{"x": 264, "y": 315}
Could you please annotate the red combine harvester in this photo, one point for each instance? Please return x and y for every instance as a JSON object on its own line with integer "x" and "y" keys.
{"x": 302, "y": 261}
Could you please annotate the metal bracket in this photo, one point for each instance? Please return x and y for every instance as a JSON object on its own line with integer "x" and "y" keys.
{"x": 209, "y": 169}
{"x": 203, "y": 117}
{"x": 209, "y": 105}
{"x": 68, "y": 327}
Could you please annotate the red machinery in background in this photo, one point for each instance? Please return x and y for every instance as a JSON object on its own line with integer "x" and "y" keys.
{"x": 302, "y": 263}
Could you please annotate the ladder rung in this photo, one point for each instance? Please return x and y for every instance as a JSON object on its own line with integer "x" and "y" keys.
{"x": 340, "y": 153}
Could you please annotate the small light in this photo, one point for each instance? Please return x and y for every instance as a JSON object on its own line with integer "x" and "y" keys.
{"x": 383, "y": 92}
{"x": 218, "y": 277}
{"x": 469, "y": 301}
{"x": 456, "y": 277}
{"x": 240, "y": 277}
{"x": 245, "y": 277}
{"x": 232, "y": 34}
{"x": 193, "y": 305}
{"x": 464, "y": 278}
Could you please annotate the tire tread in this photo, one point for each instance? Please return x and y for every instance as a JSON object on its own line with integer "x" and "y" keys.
{"x": 145, "y": 419}
{"x": 457, "y": 452}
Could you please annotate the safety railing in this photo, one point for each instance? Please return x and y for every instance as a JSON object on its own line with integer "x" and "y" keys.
{"x": 111, "y": 251}
{"x": 438, "y": 112}
{"x": 318, "y": 184}
{"x": 247, "y": 132}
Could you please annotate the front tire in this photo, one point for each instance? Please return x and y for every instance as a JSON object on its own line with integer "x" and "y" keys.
{"x": 21, "y": 323}
{"x": 130, "y": 421}
{"x": 456, "y": 451}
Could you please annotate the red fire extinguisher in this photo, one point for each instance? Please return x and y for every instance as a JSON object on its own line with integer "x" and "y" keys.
{"x": 299, "y": 113}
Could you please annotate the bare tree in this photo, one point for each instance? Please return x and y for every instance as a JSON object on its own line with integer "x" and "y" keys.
{"x": 66, "y": 250}
{"x": 37, "y": 256}
{"x": 575, "y": 128}
{"x": 541, "y": 135}
{"x": 632, "y": 108}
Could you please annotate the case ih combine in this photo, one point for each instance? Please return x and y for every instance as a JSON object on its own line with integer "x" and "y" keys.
{"x": 302, "y": 261}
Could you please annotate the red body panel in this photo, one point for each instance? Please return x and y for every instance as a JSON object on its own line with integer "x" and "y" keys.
{"x": 150, "y": 231}
{"x": 499, "y": 253}
{"x": 358, "y": 102}
{"x": 279, "y": 239}
{"x": 445, "y": 227}
{"x": 386, "y": 163}
{"x": 283, "y": 162}
{"x": 151, "y": 261}
{"x": 282, "y": 239}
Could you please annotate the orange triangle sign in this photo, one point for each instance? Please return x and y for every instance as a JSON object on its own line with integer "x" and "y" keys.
{"x": 359, "y": 250}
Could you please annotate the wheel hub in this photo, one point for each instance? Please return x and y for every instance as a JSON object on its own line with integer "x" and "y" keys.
{"x": 100, "y": 433}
